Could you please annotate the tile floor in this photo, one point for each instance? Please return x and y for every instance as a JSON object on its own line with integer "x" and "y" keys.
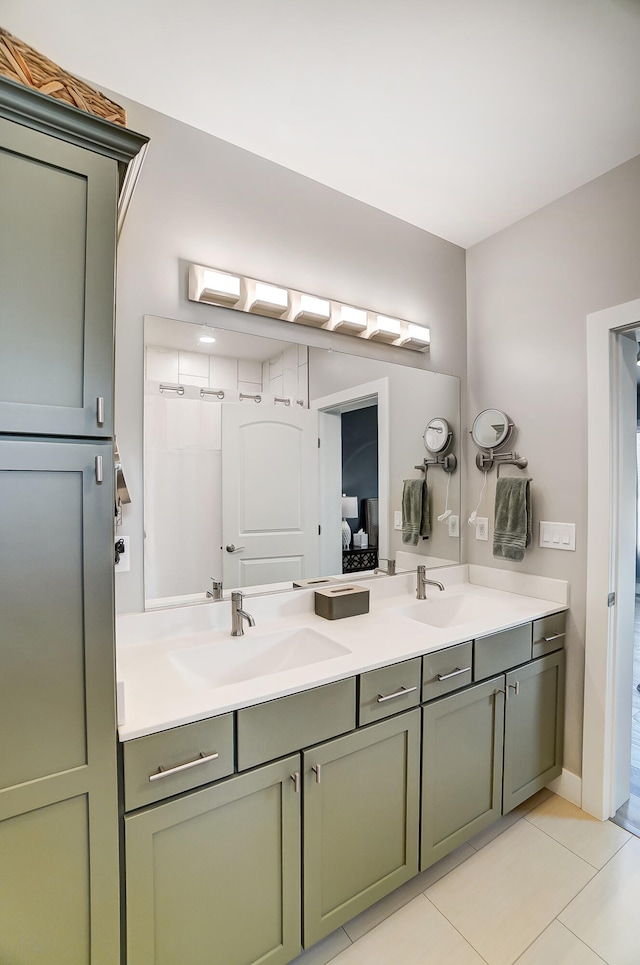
{"x": 546, "y": 885}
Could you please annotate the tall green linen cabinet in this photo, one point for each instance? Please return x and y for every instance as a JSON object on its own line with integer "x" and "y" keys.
{"x": 60, "y": 173}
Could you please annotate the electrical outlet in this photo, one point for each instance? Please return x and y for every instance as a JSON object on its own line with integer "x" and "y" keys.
{"x": 482, "y": 528}
{"x": 397, "y": 519}
{"x": 454, "y": 526}
{"x": 121, "y": 546}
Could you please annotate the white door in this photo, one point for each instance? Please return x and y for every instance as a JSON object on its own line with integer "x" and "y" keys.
{"x": 270, "y": 507}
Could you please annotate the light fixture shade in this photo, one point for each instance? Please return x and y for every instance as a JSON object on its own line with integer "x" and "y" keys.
{"x": 269, "y": 300}
{"x": 313, "y": 311}
{"x": 418, "y": 337}
{"x": 349, "y": 507}
{"x": 351, "y": 320}
{"x": 213, "y": 286}
{"x": 385, "y": 329}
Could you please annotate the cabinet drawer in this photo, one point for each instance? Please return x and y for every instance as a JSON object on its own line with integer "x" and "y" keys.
{"x": 267, "y": 731}
{"x": 176, "y": 760}
{"x": 446, "y": 670}
{"x": 549, "y": 633}
{"x": 499, "y": 651}
{"x": 389, "y": 690}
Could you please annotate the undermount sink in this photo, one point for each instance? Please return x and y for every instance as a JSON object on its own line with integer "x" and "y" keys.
{"x": 248, "y": 657}
{"x": 449, "y": 611}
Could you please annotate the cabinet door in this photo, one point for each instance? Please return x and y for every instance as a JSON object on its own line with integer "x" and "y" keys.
{"x": 213, "y": 877}
{"x": 461, "y": 767}
{"x": 57, "y": 257}
{"x": 58, "y": 799}
{"x": 361, "y": 812}
{"x": 534, "y": 728}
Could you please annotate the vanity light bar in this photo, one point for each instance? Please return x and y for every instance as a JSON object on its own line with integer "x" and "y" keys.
{"x": 215, "y": 287}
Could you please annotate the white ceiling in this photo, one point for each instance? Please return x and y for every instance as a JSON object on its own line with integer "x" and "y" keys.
{"x": 458, "y": 116}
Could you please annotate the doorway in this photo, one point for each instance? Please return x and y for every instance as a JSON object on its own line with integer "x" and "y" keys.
{"x": 611, "y": 553}
{"x": 628, "y": 815}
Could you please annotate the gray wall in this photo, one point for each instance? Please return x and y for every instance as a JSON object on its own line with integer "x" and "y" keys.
{"x": 529, "y": 289}
{"x": 200, "y": 199}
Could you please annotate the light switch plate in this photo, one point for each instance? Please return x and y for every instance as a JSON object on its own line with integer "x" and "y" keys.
{"x": 482, "y": 528}
{"x": 557, "y": 536}
{"x": 397, "y": 519}
{"x": 454, "y": 526}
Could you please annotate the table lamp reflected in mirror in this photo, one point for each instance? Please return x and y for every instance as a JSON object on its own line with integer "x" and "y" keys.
{"x": 349, "y": 511}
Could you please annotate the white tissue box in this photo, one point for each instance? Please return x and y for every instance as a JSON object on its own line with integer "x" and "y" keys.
{"x": 360, "y": 541}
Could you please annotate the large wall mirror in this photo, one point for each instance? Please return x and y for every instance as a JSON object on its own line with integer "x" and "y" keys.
{"x": 254, "y": 446}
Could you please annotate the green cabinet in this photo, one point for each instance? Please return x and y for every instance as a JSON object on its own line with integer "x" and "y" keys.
{"x": 461, "y": 767}
{"x": 58, "y": 799}
{"x": 248, "y": 869}
{"x": 361, "y": 814}
{"x": 59, "y": 855}
{"x": 213, "y": 877}
{"x": 486, "y": 749}
{"x": 59, "y": 170}
{"x": 534, "y": 728}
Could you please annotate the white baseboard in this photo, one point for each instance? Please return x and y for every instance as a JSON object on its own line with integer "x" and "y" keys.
{"x": 568, "y": 786}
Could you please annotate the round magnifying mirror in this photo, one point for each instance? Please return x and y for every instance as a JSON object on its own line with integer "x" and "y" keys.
{"x": 491, "y": 429}
{"x": 437, "y": 435}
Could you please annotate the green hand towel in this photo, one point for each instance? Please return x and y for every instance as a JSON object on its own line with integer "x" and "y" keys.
{"x": 512, "y": 528}
{"x": 415, "y": 511}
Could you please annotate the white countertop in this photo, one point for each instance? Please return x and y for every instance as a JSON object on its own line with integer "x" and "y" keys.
{"x": 156, "y": 693}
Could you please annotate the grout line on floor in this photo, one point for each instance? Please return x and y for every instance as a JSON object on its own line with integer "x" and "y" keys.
{"x": 575, "y": 853}
{"x": 457, "y": 930}
{"x": 582, "y": 942}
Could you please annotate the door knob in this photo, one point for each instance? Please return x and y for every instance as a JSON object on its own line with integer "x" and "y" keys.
{"x": 233, "y": 549}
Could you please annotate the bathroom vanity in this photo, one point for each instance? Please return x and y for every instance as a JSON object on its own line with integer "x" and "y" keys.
{"x": 302, "y": 796}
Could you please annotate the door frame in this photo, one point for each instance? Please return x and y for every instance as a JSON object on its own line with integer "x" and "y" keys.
{"x": 609, "y": 562}
{"x": 368, "y": 393}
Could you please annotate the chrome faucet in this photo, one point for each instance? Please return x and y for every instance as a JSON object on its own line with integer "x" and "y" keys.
{"x": 422, "y": 582}
{"x": 389, "y": 571}
{"x": 238, "y": 615}
{"x": 215, "y": 593}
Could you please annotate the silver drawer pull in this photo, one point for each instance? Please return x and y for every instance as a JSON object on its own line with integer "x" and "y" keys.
{"x": 317, "y": 770}
{"x": 399, "y": 693}
{"x": 166, "y": 772}
{"x": 556, "y": 636}
{"x": 454, "y": 673}
{"x": 100, "y": 410}
{"x": 295, "y": 777}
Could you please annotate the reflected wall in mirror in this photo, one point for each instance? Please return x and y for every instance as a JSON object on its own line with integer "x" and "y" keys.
{"x": 237, "y": 487}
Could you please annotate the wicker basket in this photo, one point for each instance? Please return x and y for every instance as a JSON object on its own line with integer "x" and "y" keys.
{"x": 25, "y": 65}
